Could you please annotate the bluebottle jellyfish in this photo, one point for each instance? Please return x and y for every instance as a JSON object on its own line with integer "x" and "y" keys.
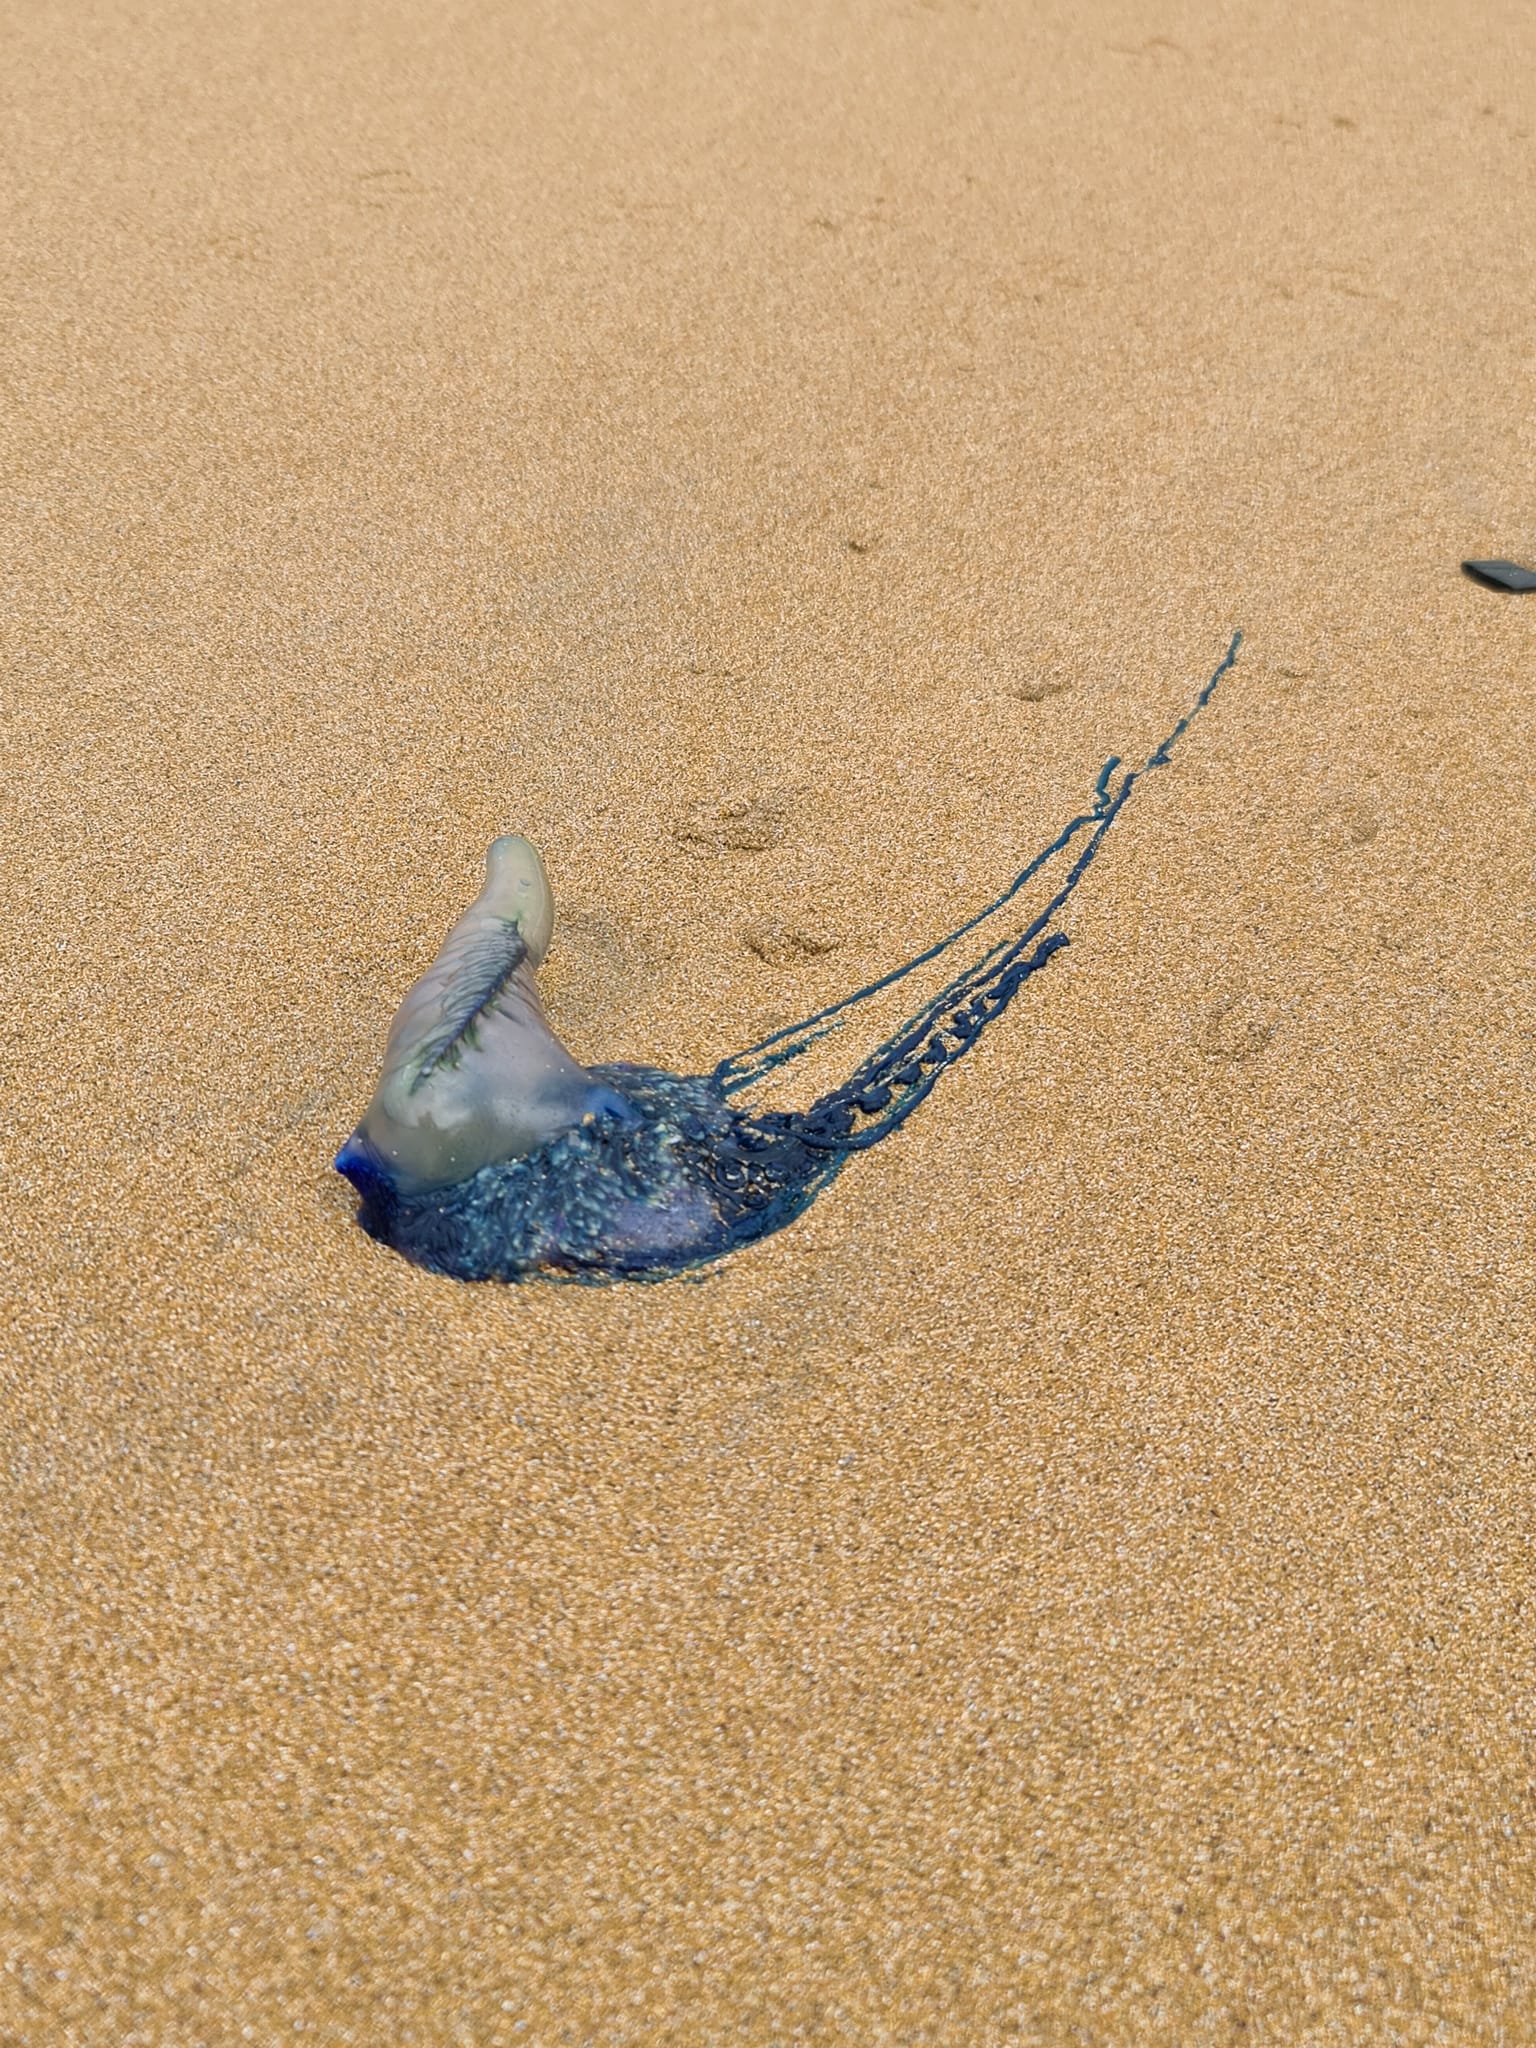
{"x": 489, "y": 1153}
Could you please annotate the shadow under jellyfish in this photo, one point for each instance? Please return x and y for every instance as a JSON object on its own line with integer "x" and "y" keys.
{"x": 488, "y": 1153}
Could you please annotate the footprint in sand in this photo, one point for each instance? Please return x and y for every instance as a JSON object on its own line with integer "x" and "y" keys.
{"x": 780, "y": 945}
{"x": 383, "y": 189}
{"x": 1236, "y": 1029}
{"x": 1034, "y": 689}
{"x": 743, "y": 824}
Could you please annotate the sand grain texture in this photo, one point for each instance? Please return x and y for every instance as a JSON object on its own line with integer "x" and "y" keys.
{"x": 1075, "y": 1586}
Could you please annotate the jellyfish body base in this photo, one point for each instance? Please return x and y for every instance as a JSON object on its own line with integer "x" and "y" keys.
{"x": 680, "y": 1183}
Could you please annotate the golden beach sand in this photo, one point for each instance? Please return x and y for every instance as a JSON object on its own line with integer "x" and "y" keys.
{"x": 1076, "y": 1586}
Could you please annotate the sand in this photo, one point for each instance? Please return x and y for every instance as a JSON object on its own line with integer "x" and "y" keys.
{"x": 1076, "y": 1585}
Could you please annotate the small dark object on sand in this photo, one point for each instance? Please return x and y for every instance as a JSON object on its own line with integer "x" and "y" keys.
{"x": 1501, "y": 575}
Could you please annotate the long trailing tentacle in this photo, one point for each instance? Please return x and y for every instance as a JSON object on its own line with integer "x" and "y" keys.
{"x": 743, "y": 1069}
{"x": 889, "y": 1084}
